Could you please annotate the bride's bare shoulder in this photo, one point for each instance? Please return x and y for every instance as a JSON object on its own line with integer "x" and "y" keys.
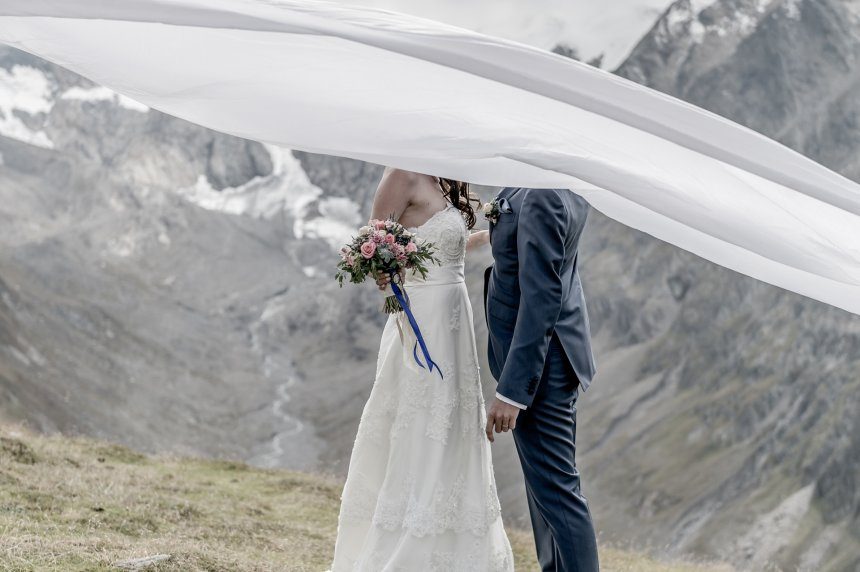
{"x": 401, "y": 177}
{"x": 400, "y": 184}
{"x": 396, "y": 191}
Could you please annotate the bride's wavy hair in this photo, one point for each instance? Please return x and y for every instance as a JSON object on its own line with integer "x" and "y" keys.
{"x": 457, "y": 193}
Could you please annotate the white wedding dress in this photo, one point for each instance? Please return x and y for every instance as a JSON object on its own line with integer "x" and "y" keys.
{"x": 420, "y": 495}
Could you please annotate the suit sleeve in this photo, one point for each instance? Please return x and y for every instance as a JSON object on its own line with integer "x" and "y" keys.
{"x": 510, "y": 401}
{"x": 541, "y": 232}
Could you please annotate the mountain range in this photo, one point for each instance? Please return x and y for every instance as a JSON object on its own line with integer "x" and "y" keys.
{"x": 169, "y": 287}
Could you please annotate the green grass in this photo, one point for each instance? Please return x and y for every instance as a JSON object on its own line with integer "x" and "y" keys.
{"x": 79, "y": 505}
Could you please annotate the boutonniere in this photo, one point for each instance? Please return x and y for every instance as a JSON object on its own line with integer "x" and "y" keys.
{"x": 495, "y": 208}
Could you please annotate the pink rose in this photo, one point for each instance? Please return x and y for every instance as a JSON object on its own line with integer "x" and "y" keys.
{"x": 390, "y": 238}
{"x": 368, "y": 249}
{"x": 399, "y": 252}
{"x": 380, "y": 225}
{"x": 411, "y": 247}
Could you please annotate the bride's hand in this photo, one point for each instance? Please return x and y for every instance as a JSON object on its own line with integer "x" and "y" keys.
{"x": 383, "y": 280}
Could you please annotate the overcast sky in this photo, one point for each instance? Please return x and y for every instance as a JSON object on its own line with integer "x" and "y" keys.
{"x": 610, "y": 27}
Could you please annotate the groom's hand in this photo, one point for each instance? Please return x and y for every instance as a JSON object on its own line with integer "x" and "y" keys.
{"x": 501, "y": 417}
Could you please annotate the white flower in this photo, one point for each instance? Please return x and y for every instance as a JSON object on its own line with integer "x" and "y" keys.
{"x": 492, "y": 210}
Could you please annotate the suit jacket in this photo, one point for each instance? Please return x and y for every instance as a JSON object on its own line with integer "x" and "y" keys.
{"x": 533, "y": 290}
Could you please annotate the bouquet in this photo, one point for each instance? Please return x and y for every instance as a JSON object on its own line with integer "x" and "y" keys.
{"x": 384, "y": 246}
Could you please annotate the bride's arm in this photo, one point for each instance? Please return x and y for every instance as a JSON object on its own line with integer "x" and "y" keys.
{"x": 392, "y": 197}
{"x": 477, "y": 239}
{"x": 393, "y": 194}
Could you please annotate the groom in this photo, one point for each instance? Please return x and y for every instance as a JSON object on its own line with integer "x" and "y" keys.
{"x": 540, "y": 353}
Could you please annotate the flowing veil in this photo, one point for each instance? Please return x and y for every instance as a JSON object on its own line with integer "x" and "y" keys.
{"x": 411, "y": 93}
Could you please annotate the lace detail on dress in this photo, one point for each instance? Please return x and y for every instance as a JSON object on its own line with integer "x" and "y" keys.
{"x": 447, "y": 406}
{"x": 358, "y": 502}
{"x": 500, "y": 561}
{"x": 454, "y": 319}
{"x": 450, "y": 510}
{"x": 448, "y": 232}
{"x": 475, "y": 560}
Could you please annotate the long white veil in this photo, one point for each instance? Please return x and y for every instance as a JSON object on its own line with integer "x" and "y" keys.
{"x": 416, "y": 94}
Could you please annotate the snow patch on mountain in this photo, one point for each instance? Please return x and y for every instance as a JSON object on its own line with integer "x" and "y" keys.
{"x": 288, "y": 191}
{"x": 337, "y": 223}
{"x": 792, "y": 8}
{"x": 684, "y": 19}
{"x": 101, "y": 93}
{"x": 853, "y": 9}
{"x": 595, "y": 30}
{"x": 700, "y": 5}
{"x": 27, "y": 98}
{"x": 24, "y": 90}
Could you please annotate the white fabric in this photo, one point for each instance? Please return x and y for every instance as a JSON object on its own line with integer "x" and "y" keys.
{"x": 423, "y": 96}
{"x": 504, "y": 399}
{"x": 420, "y": 492}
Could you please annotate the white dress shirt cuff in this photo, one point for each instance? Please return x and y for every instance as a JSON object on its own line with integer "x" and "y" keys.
{"x": 510, "y": 401}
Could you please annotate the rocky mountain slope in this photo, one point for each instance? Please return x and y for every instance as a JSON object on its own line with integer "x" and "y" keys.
{"x": 786, "y": 68}
{"x": 125, "y": 310}
{"x": 757, "y": 387}
{"x": 170, "y": 288}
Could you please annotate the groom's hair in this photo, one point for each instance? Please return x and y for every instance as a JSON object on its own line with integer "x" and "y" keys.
{"x": 457, "y": 192}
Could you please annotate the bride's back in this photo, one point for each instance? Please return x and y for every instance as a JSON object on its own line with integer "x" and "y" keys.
{"x": 412, "y": 197}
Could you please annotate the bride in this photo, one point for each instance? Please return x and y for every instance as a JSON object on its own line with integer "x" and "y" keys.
{"x": 420, "y": 494}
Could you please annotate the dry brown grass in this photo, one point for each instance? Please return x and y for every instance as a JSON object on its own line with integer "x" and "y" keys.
{"x": 79, "y": 505}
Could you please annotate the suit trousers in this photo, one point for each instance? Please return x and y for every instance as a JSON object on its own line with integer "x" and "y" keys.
{"x": 545, "y": 437}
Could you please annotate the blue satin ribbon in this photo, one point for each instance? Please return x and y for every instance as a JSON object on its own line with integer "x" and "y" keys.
{"x": 403, "y": 299}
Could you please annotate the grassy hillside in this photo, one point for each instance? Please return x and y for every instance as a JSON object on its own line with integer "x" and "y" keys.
{"x": 74, "y": 505}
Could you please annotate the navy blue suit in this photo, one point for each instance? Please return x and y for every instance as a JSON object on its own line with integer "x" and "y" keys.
{"x": 540, "y": 353}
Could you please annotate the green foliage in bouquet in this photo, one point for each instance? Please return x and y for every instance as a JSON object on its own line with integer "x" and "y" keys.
{"x": 384, "y": 247}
